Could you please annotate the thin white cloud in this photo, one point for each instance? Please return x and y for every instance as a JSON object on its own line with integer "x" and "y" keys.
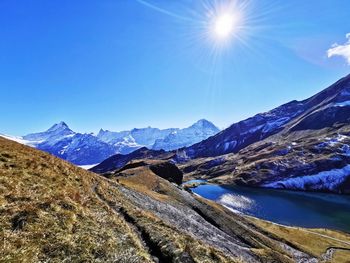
{"x": 161, "y": 10}
{"x": 341, "y": 50}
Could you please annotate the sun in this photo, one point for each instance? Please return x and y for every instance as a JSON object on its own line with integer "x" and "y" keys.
{"x": 224, "y": 25}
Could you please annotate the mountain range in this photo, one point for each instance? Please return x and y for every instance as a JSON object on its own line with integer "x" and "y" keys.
{"x": 87, "y": 148}
{"x": 301, "y": 145}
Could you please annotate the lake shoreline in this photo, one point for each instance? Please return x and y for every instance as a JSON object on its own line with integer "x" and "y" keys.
{"x": 284, "y": 207}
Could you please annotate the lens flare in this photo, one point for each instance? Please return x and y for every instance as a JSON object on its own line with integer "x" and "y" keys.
{"x": 225, "y": 25}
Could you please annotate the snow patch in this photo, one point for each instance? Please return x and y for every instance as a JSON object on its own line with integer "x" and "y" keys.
{"x": 342, "y": 104}
{"x": 275, "y": 124}
{"x": 325, "y": 180}
{"x": 87, "y": 166}
{"x": 332, "y": 141}
{"x": 229, "y": 145}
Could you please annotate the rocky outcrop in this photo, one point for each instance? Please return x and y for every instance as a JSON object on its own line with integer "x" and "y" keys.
{"x": 117, "y": 161}
{"x": 163, "y": 169}
{"x": 168, "y": 171}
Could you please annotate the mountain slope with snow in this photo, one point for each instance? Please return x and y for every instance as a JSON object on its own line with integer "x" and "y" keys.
{"x": 87, "y": 149}
{"x": 56, "y": 132}
{"x": 310, "y": 151}
{"x": 197, "y": 132}
{"x": 319, "y": 111}
{"x": 128, "y": 141}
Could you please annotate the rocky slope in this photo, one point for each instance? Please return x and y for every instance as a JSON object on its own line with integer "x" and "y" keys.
{"x": 308, "y": 160}
{"x": 309, "y": 152}
{"x": 321, "y": 110}
{"x": 54, "y": 211}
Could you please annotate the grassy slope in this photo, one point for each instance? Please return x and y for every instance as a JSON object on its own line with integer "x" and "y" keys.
{"x": 50, "y": 209}
{"x": 313, "y": 241}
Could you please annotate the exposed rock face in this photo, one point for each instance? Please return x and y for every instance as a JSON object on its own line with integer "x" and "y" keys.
{"x": 246, "y": 132}
{"x": 168, "y": 171}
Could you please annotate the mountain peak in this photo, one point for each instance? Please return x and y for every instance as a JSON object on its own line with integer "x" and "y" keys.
{"x": 203, "y": 123}
{"x": 60, "y": 125}
{"x": 58, "y": 130}
{"x": 101, "y": 132}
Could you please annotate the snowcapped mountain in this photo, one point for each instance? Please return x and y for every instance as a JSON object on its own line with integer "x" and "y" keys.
{"x": 148, "y": 136}
{"x": 122, "y": 141}
{"x": 87, "y": 149}
{"x": 56, "y": 132}
{"x": 157, "y": 139}
{"x": 19, "y": 140}
{"x": 78, "y": 148}
{"x": 127, "y": 141}
{"x": 197, "y": 132}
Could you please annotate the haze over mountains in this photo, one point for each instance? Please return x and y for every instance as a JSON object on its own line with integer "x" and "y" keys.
{"x": 87, "y": 148}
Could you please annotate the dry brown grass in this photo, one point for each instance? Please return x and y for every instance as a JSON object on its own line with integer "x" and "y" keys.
{"x": 48, "y": 211}
{"x": 308, "y": 241}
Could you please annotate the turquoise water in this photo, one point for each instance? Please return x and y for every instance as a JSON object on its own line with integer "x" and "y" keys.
{"x": 304, "y": 209}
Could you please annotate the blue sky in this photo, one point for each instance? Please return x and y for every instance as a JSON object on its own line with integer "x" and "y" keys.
{"x": 124, "y": 64}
